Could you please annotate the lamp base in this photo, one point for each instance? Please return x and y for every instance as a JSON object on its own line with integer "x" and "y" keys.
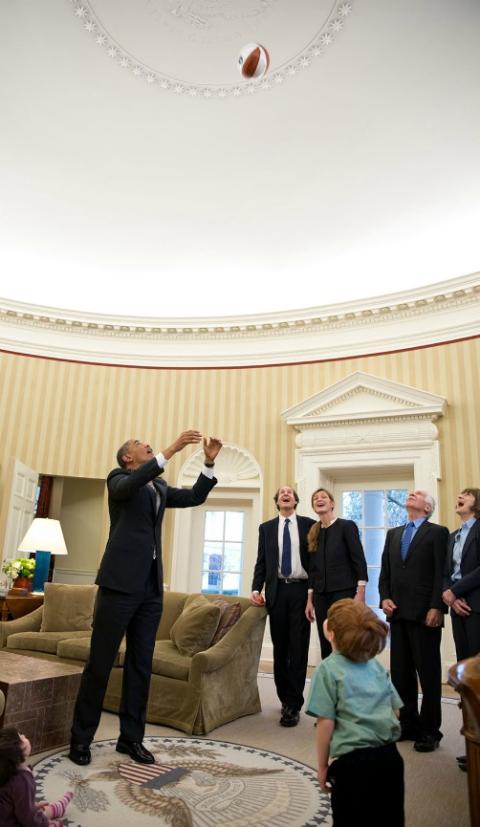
{"x": 42, "y": 568}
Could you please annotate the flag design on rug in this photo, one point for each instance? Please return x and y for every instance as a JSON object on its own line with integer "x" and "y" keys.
{"x": 153, "y": 776}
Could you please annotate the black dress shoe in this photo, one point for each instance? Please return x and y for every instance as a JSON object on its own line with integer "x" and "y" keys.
{"x": 80, "y": 754}
{"x": 290, "y": 717}
{"x": 136, "y": 751}
{"x": 427, "y": 743}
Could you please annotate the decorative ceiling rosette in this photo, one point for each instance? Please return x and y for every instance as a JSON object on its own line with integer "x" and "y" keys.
{"x": 191, "y": 47}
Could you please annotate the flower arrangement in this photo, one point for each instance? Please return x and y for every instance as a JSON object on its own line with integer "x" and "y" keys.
{"x": 21, "y": 567}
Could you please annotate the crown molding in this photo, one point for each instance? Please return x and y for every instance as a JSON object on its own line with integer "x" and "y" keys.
{"x": 442, "y": 312}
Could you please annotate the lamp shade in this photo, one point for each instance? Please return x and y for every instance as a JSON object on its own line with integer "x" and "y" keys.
{"x": 44, "y": 535}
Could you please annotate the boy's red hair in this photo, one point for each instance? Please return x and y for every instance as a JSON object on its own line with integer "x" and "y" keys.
{"x": 359, "y": 633}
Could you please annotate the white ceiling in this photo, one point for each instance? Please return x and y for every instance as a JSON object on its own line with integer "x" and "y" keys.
{"x": 356, "y": 175}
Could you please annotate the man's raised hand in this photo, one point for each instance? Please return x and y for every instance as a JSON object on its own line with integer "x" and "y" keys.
{"x": 185, "y": 438}
{"x": 211, "y": 447}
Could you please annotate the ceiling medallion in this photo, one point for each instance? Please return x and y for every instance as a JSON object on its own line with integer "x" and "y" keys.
{"x": 202, "y": 38}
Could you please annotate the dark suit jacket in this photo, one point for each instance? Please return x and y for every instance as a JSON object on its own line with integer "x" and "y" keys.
{"x": 469, "y": 584}
{"x": 135, "y": 527}
{"x": 414, "y": 584}
{"x": 338, "y": 562}
{"x": 266, "y": 567}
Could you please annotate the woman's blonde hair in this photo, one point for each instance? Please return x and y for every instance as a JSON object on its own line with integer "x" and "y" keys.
{"x": 359, "y": 633}
{"x": 315, "y": 529}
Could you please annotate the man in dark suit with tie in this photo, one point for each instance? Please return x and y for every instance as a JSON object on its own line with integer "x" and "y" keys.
{"x": 462, "y": 580}
{"x": 130, "y": 594}
{"x": 282, "y": 567}
{"x": 410, "y": 588}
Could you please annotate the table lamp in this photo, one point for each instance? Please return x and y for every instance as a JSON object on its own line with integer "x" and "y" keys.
{"x": 43, "y": 538}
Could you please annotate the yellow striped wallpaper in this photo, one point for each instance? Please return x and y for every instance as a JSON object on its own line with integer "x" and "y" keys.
{"x": 68, "y": 419}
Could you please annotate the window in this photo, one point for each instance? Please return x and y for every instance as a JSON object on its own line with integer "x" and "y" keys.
{"x": 223, "y": 541}
{"x": 374, "y": 513}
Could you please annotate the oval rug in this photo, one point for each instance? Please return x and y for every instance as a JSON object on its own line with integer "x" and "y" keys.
{"x": 194, "y": 783}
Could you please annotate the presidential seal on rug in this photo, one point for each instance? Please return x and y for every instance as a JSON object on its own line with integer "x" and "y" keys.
{"x": 194, "y": 783}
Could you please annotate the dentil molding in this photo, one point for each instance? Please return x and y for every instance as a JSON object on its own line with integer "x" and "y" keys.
{"x": 442, "y": 312}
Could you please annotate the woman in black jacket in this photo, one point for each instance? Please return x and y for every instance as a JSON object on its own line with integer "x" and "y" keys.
{"x": 338, "y": 568}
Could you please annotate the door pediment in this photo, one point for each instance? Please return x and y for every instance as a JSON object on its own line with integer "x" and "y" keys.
{"x": 362, "y": 396}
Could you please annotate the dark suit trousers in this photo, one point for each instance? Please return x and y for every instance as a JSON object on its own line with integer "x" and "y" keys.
{"x": 117, "y": 614}
{"x": 415, "y": 650}
{"x": 321, "y": 604}
{"x": 466, "y": 634}
{"x": 290, "y": 632}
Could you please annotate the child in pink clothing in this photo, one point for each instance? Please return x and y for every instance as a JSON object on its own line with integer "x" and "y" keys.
{"x": 17, "y": 787}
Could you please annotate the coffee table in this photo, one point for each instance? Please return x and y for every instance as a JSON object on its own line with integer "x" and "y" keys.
{"x": 39, "y": 698}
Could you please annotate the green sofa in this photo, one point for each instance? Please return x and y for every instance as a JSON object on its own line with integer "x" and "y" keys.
{"x": 194, "y": 693}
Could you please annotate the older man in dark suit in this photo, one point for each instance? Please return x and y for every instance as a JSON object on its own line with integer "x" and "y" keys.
{"x": 130, "y": 595}
{"x": 410, "y": 588}
{"x": 282, "y": 567}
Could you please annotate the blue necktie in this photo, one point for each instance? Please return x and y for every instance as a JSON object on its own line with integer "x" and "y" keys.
{"x": 286, "y": 567}
{"x": 406, "y": 540}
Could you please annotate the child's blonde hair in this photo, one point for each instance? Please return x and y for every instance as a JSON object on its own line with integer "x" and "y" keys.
{"x": 359, "y": 633}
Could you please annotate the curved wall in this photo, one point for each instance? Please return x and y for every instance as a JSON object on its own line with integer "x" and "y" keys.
{"x": 68, "y": 419}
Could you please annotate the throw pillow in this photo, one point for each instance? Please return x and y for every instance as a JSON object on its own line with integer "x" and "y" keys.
{"x": 193, "y": 631}
{"x": 68, "y": 608}
{"x": 229, "y": 614}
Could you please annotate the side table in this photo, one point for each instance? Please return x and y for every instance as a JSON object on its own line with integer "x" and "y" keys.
{"x": 39, "y": 698}
{"x": 13, "y": 606}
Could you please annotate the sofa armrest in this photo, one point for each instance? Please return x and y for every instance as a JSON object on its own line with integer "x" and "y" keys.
{"x": 27, "y": 623}
{"x": 250, "y": 624}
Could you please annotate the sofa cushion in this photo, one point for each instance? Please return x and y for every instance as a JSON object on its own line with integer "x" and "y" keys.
{"x": 78, "y": 648}
{"x": 229, "y": 614}
{"x": 173, "y": 603}
{"x": 193, "y": 631}
{"x": 68, "y": 608}
{"x": 168, "y": 662}
{"x": 40, "y": 641}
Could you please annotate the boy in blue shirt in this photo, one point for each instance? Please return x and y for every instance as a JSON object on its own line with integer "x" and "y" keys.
{"x": 357, "y": 711}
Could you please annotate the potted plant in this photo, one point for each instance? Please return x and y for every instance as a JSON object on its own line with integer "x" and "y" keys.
{"x": 21, "y": 571}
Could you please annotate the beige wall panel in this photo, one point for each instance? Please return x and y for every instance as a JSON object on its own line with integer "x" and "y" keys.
{"x": 81, "y": 519}
{"x": 69, "y": 419}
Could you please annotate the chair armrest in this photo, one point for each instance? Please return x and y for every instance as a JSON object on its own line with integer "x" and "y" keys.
{"x": 248, "y": 626}
{"x": 27, "y": 623}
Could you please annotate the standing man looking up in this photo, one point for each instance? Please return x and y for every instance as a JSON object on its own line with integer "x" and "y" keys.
{"x": 130, "y": 594}
{"x": 410, "y": 588}
{"x": 282, "y": 566}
